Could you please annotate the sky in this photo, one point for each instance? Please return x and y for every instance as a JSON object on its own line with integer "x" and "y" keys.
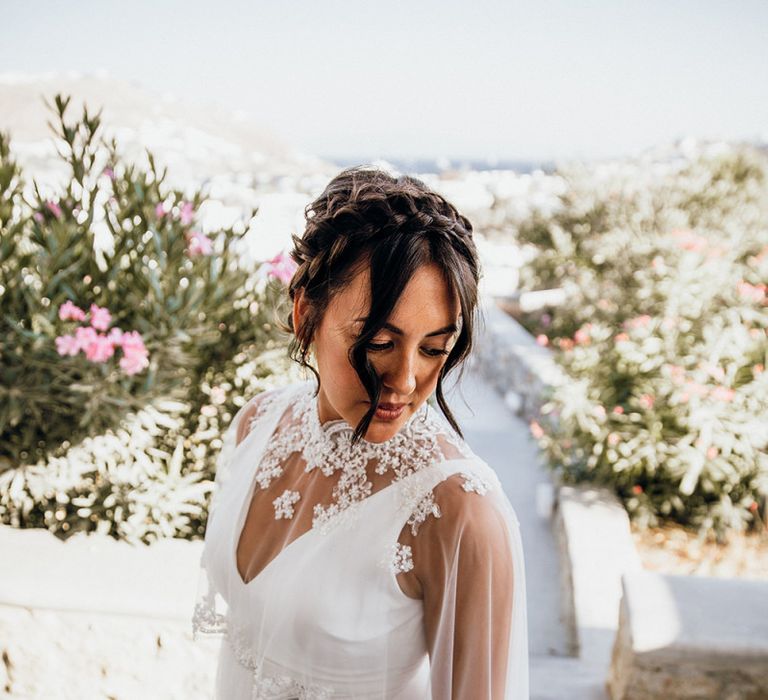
{"x": 505, "y": 79}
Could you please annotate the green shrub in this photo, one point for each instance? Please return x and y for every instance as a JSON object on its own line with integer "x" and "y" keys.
{"x": 128, "y": 337}
{"x": 663, "y": 332}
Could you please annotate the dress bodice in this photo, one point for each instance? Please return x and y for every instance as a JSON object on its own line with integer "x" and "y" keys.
{"x": 325, "y": 616}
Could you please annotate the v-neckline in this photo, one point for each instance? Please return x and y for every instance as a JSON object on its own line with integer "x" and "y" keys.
{"x": 240, "y": 525}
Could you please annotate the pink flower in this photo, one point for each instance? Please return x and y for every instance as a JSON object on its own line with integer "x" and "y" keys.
{"x": 582, "y": 335}
{"x": 159, "y": 210}
{"x": 712, "y": 452}
{"x": 37, "y": 216}
{"x": 115, "y": 336}
{"x": 67, "y": 345}
{"x": 613, "y": 439}
{"x": 750, "y": 292}
{"x": 54, "y": 208}
{"x": 100, "y": 349}
{"x": 677, "y": 373}
{"x": 688, "y": 240}
{"x": 536, "y": 430}
{"x": 133, "y": 363}
{"x": 620, "y": 338}
{"x": 647, "y": 401}
{"x": 637, "y": 489}
{"x": 282, "y": 267}
{"x": 722, "y": 393}
{"x": 199, "y": 244}
{"x": 542, "y": 340}
{"x": 69, "y": 312}
{"x": 565, "y": 344}
{"x": 109, "y": 173}
{"x": 85, "y": 335}
{"x": 100, "y": 317}
{"x": 186, "y": 213}
{"x": 618, "y": 409}
{"x": 134, "y": 353}
{"x": 638, "y": 322}
{"x": 758, "y": 369}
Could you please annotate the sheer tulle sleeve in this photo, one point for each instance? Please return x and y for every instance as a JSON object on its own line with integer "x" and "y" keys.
{"x": 469, "y": 563}
{"x": 209, "y": 616}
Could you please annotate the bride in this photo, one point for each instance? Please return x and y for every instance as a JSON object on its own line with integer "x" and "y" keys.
{"x": 356, "y": 546}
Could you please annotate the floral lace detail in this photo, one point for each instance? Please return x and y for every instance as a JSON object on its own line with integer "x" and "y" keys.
{"x": 399, "y": 559}
{"x": 424, "y": 508}
{"x": 474, "y": 483}
{"x": 284, "y": 504}
{"x": 328, "y": 447}
{"x": 205, "y": 620}
{"x": 271, "y": 686}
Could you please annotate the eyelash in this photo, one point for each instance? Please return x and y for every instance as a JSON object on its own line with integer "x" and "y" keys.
{"x": 377, "y": 347}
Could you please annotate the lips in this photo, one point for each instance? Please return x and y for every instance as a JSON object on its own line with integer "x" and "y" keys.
{"x": 391, "y": 406}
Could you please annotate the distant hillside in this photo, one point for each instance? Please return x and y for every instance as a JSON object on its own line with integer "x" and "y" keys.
{"x": 196, "y": 141}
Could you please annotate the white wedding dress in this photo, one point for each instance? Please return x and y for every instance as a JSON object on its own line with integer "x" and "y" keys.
{"x": 312, "y": 543}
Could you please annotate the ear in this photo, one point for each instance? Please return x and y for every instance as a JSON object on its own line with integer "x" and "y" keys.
{"x": 300, "y": 307}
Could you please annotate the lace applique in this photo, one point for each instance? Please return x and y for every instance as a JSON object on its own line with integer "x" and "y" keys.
{"x": 328, "y": 447}
{"x": 284, "y": 504}
{"x": 424, "y": 508}
{"x": 399, "y": 559}
{"x": 205, "y": 620}
{"x": 271, "y": 686}
{"x": 474, "y": 483}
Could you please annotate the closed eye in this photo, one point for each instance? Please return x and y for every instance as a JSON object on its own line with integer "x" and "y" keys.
{"x": 431, "y": 352}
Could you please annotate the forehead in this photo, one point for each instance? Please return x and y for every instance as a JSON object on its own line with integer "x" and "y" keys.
{"x": 425, "y": 304}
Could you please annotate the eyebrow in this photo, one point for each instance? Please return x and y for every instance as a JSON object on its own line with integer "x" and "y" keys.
{"x": 450, "y": 328}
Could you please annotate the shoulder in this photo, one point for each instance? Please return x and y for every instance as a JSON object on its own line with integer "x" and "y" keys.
{"x": 467, "y": 510}
{"x": 259, "y": 405}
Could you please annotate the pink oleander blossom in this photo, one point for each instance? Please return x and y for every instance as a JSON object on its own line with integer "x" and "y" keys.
{"x": 637, "y": 322}
{"x": 723, "y": 393}
{"x": 100, "y": 317}
{"x": 186, "y": 213}
{"x": 135, "y": 353}
{"x": 115, "y": 336}
{"x": 70, "y": 312}
{"x": 160, "y": 210}
{"x": 582, "y": 337}
{"x": 647, "y": 401}
{"x": 199, "y": 244}
{"x": 100, "y": 349}
{"x": 85, "y": 335}
{"x": 54, "y": 208}
{"x": 751, "y": 292}
{"x": 282, "y": 267}
{"x": 688, "y": 240}
{"x": 67, "y": 345}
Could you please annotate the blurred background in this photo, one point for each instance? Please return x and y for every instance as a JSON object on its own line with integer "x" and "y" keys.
{"x": 155, "y": 159}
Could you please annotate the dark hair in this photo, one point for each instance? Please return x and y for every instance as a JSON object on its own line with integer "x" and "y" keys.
{"x": 396, "y": 225}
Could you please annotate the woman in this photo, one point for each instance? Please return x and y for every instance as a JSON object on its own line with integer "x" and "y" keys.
{"x": 356, "y": 547}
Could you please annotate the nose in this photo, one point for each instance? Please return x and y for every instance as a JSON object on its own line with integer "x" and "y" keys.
{"x": 400, "y": 376}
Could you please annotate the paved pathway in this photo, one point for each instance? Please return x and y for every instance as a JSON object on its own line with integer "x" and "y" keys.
{"x": 503, "y": 439}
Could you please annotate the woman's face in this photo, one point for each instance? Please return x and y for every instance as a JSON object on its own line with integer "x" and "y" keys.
{"x": 407, "y": 354}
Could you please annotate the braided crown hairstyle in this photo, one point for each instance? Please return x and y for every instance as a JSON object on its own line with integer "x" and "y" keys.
{"x": 395, "y": 225}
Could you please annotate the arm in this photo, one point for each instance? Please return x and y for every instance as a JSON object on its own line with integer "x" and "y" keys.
{"x": 463, "y": 562}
